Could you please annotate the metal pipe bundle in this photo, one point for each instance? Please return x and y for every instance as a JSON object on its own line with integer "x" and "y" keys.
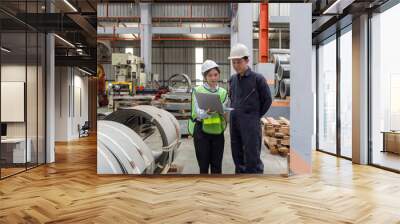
{"x": 282, "y": 73}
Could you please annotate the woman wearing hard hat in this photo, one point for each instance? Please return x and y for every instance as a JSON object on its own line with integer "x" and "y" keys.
{"x": 207, "y": 127}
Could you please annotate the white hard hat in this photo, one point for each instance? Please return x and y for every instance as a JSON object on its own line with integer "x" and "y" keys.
{"x": 207, "y": 65}
{"x": 239, "y": 51}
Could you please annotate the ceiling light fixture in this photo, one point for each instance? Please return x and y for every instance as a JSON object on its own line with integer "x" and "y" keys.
{"x": 64, "y": 40}
{"x": 86, "y": 72}
{"x": 5, "y": 50}
{"x": 337, "y": 7}
{"x": 70, "y": 5}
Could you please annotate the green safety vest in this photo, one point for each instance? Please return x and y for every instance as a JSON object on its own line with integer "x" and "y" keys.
{"x": 215, "y": 124}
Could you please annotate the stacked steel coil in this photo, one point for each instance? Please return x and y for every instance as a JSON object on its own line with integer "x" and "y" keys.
{"x": 282, "y": 75}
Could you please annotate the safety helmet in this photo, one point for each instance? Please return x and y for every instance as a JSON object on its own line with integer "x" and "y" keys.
{"x": 207, "y": 65}
{"x": 239, "y": 51}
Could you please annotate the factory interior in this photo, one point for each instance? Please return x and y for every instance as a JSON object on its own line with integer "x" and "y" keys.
{"x": 143, "y": 111}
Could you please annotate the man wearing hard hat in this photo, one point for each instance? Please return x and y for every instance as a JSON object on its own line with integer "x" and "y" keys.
{"x": 250, "y": 99}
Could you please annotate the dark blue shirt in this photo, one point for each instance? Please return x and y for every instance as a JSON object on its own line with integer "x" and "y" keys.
{"x": 249, "y": 93}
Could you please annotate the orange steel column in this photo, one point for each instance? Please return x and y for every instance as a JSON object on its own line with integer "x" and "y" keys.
{"x": 263, "y": 39}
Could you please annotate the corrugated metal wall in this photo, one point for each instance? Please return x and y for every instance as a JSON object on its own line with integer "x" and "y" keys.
{"x": 165, "y": 10}
{"x": 170, "y": 10}
{"x": 172, "y": 57}
{"x": 211, "y": 10}
{"x": 220, "y": 55}
{"x": 118, "y": 9}
{"x": 168, "y": 61}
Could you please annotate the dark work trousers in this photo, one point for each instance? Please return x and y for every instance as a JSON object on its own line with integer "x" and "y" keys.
{"x": 246, "y": 142}
{"x": 209, "y": 150}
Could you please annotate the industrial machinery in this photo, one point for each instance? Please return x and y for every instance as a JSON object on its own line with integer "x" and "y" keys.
{"x": 102, "y": 99}
{"x": 128, "y": 76}
{"x": 180, "y": 83}
{"x": 128, "y": 68}
{"x": 124, "y": 146}
{"x": 178, "y": 100}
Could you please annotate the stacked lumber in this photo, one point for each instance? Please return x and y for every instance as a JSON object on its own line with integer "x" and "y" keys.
{"x": 276, "y": 135}
{"x": 177, "y": 104}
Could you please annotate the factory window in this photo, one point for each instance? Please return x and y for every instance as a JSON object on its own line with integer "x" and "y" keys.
{"x": 129, "y": 50}
{"x": 385, "y": 89}
{"x": 327, "y": 96}
{"x": 199, "y": 57}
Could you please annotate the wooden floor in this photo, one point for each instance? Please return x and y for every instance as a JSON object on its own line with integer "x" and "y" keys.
{"x": 387, "y": 159}
{"x": 69, "y": 191}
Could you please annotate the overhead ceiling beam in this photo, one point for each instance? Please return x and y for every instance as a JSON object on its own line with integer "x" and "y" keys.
{"x": 337, "y": 7}
{"x": 81, "y": 61}
{"x": 206, "y": 1}
{"x": 320, "y": 22}
{"x": 84, "y": 24}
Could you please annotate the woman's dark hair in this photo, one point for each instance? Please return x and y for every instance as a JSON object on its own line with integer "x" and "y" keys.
{"x": 216, "y": 68}
{"x": 245, "y": 58}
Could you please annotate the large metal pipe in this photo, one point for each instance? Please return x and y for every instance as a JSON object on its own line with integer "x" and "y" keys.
{"x": 121, "y": 150}
{"x": 149, "y": 116}
{"x": 280, "y": 59}
{"x": 283, "y": 71}
{"x": 276, "y": 86}
{"x": 263, "y": 39}
{"x": 284, "y": 88}
{"x": 183, "y": 78}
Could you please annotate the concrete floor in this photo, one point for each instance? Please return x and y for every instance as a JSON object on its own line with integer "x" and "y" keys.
{"x": 273, "y": 164}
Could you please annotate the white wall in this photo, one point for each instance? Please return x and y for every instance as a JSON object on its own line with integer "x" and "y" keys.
{"x": 33, "y": 126}
{"x": 302, "y": 89}
{"x": 61, "y": 103}
{"x": 79, "y": 117}
{"x": 71, "y": 103}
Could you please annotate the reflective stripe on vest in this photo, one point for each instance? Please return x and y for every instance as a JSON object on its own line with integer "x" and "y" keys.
{"x": 215, "y": 124}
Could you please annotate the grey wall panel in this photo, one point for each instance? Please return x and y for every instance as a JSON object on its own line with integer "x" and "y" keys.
{"x": 165, "y": 10}
{"x": 118, "y": 9}
{"x": 157, "y": 55}
{"x": 219, "y": 55}
{"x": 302, "y": 89}
{"x": 171, "y": 57}
{"x": 188, "y": 10}
{"x": 210, "y": 10}
{"x": 170, "y": 10}
{"x": 101, "y": 9}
